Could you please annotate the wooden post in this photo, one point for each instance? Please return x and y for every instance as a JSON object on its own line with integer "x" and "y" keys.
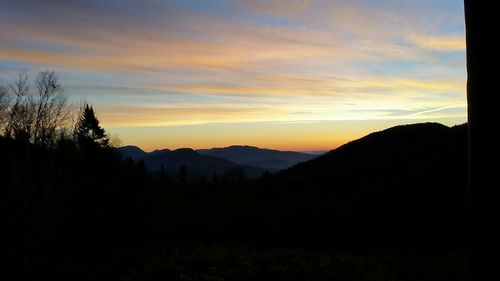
{"x": 483, "y": 92}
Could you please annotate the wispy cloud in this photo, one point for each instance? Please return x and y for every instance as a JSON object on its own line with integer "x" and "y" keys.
{"x": 153, "y": 115}
{"x": 443, "y": 43}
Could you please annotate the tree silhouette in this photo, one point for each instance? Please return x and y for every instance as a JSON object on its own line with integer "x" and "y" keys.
{"x": 4, "y": 105}
{"x": 88, "y": 131}
{"x": 33, "y": 116}
{"x": 50, "y": 111}
{"x": 20, "y": 112}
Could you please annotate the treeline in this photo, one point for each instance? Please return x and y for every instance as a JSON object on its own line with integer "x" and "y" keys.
{"x": 68, "y": 202}
{"x": 37, "y": 112}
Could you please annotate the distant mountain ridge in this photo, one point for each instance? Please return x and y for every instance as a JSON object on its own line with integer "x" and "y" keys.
{"x": 133, "y": 152}
{"x": 253, "y": 160}
{"x": 259, "y": 157}
{"x": 196, "y": 164}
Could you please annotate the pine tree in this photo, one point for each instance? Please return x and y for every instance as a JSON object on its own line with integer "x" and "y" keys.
{"x": 88, "y": 131}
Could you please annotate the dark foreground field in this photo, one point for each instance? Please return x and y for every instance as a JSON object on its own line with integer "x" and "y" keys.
{"x": 241, "y": 263}
{"x": 390, "y": 206}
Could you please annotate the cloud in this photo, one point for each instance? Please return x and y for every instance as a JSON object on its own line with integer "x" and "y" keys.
{"x": 282, "y": 8}
{"x": 442, "y": 43}
{"x": 265, "y": 60}
{"x": 154, "y": 115}
{"x": 161, "y": 36}
{"x": 110, "y": 48}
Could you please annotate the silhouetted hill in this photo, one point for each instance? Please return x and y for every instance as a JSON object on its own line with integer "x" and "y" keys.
{"x": 315, "y": 152}
{"x": 254, "y": 156}
{"x": 158, "y": 151}
{"x": 171, "y": 160}
{"x": 131, "y": 151}
{"x": 416, "y": 148}
{"x": 196, "y": 164}
{"x": 405, "y": 186}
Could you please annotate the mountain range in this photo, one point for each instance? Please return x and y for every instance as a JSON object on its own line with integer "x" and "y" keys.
{"x": 403, "y": 188}
{"x": 252, "y": 160}
{"x": 273, "y": 160}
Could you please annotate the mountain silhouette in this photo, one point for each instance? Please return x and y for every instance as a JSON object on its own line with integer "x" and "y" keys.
{"x": 416, "y": 149}
{"x": 406, "y": 185}
{"x": 265, "y": 158}
{"x": 196, "y": 164}
{"x": 131, "y": 151}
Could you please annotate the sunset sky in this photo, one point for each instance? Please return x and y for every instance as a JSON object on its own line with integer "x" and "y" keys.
{"x": 291, "y": 75}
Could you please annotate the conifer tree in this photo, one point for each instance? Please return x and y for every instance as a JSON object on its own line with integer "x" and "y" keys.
{"x": 88, "y": 131}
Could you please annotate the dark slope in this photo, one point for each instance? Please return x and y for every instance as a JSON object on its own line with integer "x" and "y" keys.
{"x": 401, "y": 187}
{"x": 405, "y": 155}
{"x": 254, "y": 156}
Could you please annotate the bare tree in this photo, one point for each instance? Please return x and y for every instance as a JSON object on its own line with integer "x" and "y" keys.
{"x": 4, "y": 105}
{"x": 36, "y": 117}
{"x": 20, "y": 116}
{"x": 50, "y": 108}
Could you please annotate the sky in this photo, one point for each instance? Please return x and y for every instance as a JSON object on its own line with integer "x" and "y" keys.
{"x": 290, "y": 75}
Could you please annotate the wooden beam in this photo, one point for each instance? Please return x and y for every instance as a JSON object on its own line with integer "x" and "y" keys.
{"x": 483, "y": 92}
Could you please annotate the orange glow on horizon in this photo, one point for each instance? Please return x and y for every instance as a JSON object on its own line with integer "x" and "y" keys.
{"x": 280, "y": 136}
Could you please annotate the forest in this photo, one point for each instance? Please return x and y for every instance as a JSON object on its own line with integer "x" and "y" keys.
{"x": 389, "y": 206}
